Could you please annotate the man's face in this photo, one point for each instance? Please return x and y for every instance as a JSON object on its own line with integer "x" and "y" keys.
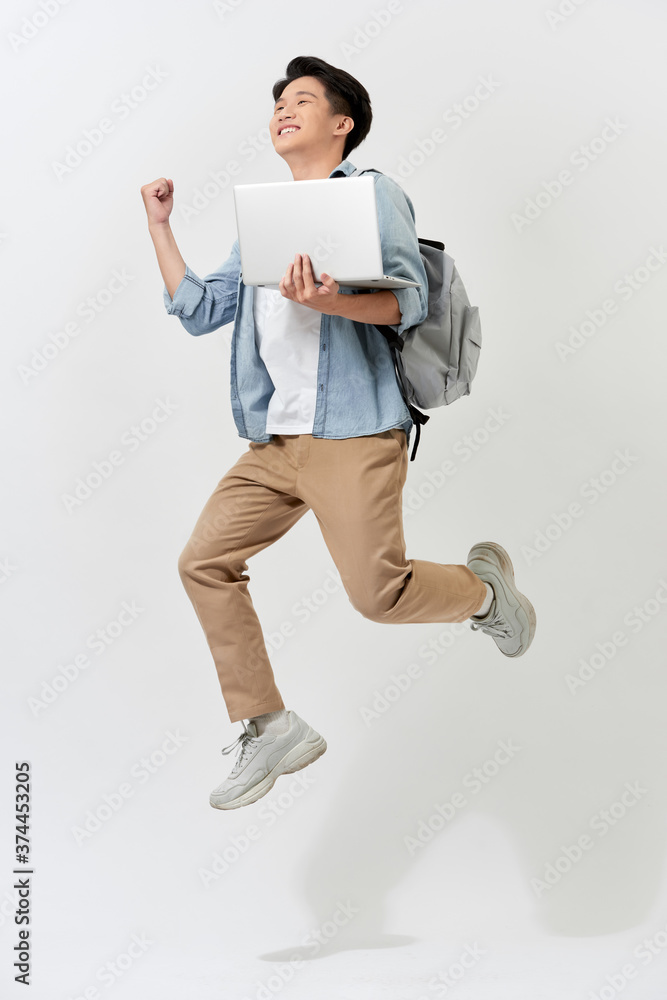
{"x": 302, "y": 119}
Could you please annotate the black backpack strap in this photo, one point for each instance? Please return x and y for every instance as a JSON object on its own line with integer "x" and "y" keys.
{"x": 391, "y": 336}
{"x": 418, "y": 418}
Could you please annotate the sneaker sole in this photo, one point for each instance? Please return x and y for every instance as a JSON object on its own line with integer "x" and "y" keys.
{"x": 300, "y": 756}
{"x": 524, "y": 612}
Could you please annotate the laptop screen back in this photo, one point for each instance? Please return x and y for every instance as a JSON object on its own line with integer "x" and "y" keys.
{"x": 333, "y": 220}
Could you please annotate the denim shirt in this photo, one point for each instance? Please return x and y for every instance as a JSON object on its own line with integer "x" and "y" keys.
{"x": 357, "y": 387}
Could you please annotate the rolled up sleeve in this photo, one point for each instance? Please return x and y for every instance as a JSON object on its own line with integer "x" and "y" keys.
{"x": 204, "y": 305}
{"x": 400, "y": 251}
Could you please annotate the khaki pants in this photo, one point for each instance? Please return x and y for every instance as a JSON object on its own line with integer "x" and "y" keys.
{"x": 354, "y": 487}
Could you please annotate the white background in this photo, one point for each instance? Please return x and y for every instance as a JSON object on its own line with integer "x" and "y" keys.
{"x": 476, "y": 886}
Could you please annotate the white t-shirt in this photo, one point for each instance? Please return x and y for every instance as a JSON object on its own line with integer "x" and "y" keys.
{"x": 287, "y": 335}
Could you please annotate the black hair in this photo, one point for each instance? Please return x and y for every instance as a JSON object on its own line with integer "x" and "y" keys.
{"x": 345, "y": 95}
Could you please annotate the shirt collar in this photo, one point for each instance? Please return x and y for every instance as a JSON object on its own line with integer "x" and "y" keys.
{"x": 344, "y": 169}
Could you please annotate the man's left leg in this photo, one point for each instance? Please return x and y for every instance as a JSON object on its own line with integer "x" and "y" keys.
{"x": 354, "y": 487}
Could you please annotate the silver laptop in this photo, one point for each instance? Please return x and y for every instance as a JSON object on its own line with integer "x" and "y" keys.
{"x": 334, "y": 220}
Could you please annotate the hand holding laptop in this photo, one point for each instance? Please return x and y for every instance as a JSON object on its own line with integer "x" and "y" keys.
{"x": 298, "y": 284}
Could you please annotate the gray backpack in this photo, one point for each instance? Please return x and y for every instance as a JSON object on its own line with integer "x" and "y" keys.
{"x": 436, "y": 360}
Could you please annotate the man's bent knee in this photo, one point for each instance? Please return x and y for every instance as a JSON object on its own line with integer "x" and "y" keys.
{"x": 373, "y": 609}
{"x": 186, "y": 564}
{"x": 221, "y": 568}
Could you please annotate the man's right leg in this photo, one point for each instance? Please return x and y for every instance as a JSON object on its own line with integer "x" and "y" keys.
{"x": 250, "y": 508}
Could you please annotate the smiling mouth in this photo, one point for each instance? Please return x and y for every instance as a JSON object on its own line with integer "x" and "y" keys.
{"x": 288, "y": 130}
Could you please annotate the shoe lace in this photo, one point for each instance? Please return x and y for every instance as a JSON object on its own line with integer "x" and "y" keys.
{"x": 246, "y": 744}
{"x": 495, "y": 626}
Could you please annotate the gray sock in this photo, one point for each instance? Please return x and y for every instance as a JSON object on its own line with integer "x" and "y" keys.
{"x": 272, "y": 723}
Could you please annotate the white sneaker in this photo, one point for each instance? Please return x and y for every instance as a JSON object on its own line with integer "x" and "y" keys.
{"x": 264, "y": 758}
{"x": 511, "y": 619}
